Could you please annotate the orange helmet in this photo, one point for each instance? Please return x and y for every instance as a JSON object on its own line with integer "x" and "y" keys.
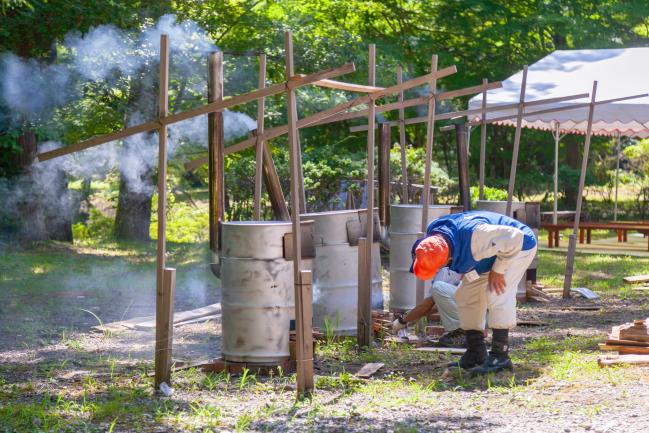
{"x": 428, "y": 255}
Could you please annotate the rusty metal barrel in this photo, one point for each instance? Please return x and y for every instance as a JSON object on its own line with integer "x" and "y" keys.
{"x": 405, "y": 225}
{"x": 257, "y": 292}
{"x": 519, "y": 212}
{"x": 335, "y": 272}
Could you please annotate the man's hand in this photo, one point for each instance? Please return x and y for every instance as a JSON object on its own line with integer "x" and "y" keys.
{"x": 398, "y": 326}
{"x": 497, "y": 283}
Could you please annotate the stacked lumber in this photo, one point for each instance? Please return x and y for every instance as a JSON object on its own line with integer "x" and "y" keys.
{"x": 628, "y": 339}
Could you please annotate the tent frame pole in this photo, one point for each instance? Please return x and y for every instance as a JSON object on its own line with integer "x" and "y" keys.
{"x": 572, "y": 242}
{"x": 483, "y": 139}
{"x": 557, "y": 139}
{"x": 617, "y": 171}
{"x": 517, "y": 142}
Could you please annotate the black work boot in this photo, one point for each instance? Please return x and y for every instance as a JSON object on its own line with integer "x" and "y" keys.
{"x": 476, "y": 351}
{"x": 455, "y": 338}
{"x": 498, "y": 359}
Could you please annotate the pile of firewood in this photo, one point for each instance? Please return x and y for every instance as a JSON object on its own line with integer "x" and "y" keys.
{"x": 630, "y": 341}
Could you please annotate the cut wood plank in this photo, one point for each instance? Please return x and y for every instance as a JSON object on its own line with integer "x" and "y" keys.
{"x": 184, "y": 316}
{"x": 452, "y": 350}
{"x": 637, "y": 279}
{"x": 531, "y": 323}
{"x": 624, "y": 349}
{"x": 534, "y": 292}
{"x": 369, "y": 369}
{"x": 623, "y": 360}
{"x": 618, "y": 342}
{"x": 198, "y": 320}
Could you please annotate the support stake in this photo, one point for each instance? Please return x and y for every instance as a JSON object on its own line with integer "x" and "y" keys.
{"x": 517, "y": 142}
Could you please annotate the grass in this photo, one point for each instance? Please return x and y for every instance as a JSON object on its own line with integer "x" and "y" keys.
{"x": 122, "y": 399}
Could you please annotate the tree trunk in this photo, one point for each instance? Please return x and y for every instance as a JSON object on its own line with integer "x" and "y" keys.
{"x": 138, "y": 154}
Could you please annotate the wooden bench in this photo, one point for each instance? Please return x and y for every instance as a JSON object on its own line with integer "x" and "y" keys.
{"x": 585, "y": 228}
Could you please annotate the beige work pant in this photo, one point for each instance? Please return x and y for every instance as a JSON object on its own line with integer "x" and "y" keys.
{"x": 474, "y": 298}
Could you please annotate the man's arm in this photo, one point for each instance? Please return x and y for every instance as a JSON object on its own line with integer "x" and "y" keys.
{"x": 504, "y": 242}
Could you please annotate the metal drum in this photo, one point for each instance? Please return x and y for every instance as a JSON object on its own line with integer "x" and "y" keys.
{"x": 335, "y": 273}
{"x": 405, "y": 224}
{"x": 518, "y": 212}
{"x": 257, "y": 292}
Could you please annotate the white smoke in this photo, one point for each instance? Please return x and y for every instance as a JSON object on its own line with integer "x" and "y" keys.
{"x": 32, "y": 92}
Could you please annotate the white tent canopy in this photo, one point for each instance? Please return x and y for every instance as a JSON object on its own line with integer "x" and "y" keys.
{"x": 619, "y": 72}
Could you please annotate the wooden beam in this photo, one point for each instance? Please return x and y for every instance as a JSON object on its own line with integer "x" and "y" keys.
{"x": 572, "y": 239}
{"x": 315, "y": 119}
{"x": 205, "y": 109}
{"x": 304, "y": 349}
{"x": 402, "y": 141}
{"x": 430, "y": 134}
{"x": 164, "y": 328}
{"x": 216, "y": 154}
{"x": 164, "y": 322}
{"x": 517, "y": 142}
{"x": 364, "y": 317}
{"x": 483, "y": 141}
{"x": 274, "y": 186}
{"x": 384, "y": 176}
{"x": 259, "y": 154}
{"x": 339, "y": 85}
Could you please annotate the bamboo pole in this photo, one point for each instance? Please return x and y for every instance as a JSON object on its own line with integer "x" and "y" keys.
{"x": 162, "y": 355}
{"x": 364, "y": 316}
{"x": 483, "y": 140}
{"x": 572, "y": 241}
{"x": 617, "y": 171}
{"x": 517, "y": 141}
{"x": 430, "y": 135}
{"x": 303, "y": 323}
{"x": 402, "y": 141}
{"x": 555, "y": 205}
{"x": 259, "y": 157}
{"x": 215, "y": 148}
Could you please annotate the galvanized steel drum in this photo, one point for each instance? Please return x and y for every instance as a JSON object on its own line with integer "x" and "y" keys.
{"x": 257, "y": 292}
{"x": 335, "y": 273}
{"x": 405, "y": 224}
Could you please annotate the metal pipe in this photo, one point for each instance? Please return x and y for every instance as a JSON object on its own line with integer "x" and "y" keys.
{"x": 557, "y": 138}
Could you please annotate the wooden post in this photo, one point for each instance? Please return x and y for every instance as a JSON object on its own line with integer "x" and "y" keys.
{"x": 164, "y": 326}
{"x": 303, "y": 323}
{"x": 216, "y": 154}
{"x": 384, "y": 175}
{"x": 419, "y": 296}
{"x": 483, "y": 140}
{"x": 557, "y": 138}
{"x": 402, "y": 141}
{"x": 463, "y": 164}
{"x": 274, "y": 187}
{"x": 572, "y": 240}
{"x": 364, "y": 318}
{"x": 162, "y": 358}
{"x": 617, "y": 171}
{"x": 517, "y": 141}
{"x": 259, "y": 160}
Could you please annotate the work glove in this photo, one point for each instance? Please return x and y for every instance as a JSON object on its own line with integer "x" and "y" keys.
{"x": 397, "y": 325}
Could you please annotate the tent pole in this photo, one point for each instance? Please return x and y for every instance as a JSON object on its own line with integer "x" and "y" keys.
{"x": 557, "y": 138}
{"x": 517, "y": 142}
{"x": 483, "y": 139}
{"x": 617, "y": 173}
{"x": 572, "y": 243}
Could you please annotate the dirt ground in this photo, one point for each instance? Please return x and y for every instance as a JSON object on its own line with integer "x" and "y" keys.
{"x": 58, "y": 374}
